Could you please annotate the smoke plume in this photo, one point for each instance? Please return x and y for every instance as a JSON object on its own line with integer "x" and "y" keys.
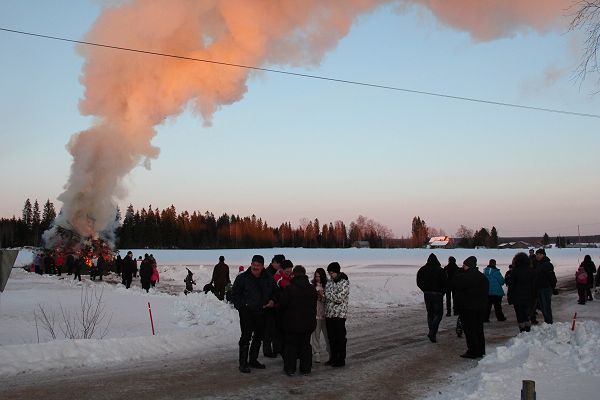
{"x": 491, "y": 19}
{"x": 129, "y": 94}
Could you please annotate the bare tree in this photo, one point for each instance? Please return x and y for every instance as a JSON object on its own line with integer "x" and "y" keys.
{"x": 83, "y": 323}
{"x": 587, "y": 19}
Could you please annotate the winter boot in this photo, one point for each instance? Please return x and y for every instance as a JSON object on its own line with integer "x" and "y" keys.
{"x": 244, "y": 359}
{"x": 254, "y": 349}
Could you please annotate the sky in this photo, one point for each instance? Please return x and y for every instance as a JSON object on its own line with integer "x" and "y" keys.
{"x": 290, "y": 148}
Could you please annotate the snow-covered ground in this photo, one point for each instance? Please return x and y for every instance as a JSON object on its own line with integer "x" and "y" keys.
{"x": 562, "y": 362}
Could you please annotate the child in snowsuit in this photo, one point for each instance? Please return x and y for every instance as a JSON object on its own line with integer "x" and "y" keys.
{"x": 189, "y": 282}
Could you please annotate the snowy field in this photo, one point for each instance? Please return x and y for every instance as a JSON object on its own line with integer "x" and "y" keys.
{"x": 562, "y": 362}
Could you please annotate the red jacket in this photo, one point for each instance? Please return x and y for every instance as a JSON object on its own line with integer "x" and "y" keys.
{"x": 282, "y": 279}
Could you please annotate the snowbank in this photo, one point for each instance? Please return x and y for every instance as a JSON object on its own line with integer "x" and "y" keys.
{"x": 564, "y": 365}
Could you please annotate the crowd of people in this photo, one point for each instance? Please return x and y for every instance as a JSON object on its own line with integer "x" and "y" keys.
{"x": 288, "y": 314}
{"x": 54, "y": 262}
{"x": 530, "y": 281}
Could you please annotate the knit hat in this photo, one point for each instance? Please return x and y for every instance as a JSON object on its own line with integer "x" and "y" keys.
{"x": 470, "y": 262}
{"x": 540, "y": 251}
{"x": 241, "y": 269}
{"x": 287, "y": 264}
{"x": 334, "y": 267}
{"x": 278, "y": 258}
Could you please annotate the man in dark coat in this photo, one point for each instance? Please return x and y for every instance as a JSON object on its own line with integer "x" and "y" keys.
{"x": 220, "y": 278}
{"x": 128, "y": 268}
{"x": 70, "y": 264}
{"x": 253, "y": 292}
{"x": 432, "y": 280}
{"x": 450, "y": 270}
{"x": 545, "y": 283}
{"x": 298, "y": 305}
{"x": 273, "y": 342}
{"x": 471, "y": 297}
{"x": 78, "y": 265}
{"x": 145, "y": 273}
{"x": 520, "y": 280}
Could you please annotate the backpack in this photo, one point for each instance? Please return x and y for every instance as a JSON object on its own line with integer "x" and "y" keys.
{"x": 582, "y": 277}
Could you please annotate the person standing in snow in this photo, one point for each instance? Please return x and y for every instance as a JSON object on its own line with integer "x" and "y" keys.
{"x": 155, "y": 277}
{"x": 273, "y": 342}
{"x": 128, "y": 268}
{"x": 298, "y": 304}
{"x": 253, "y": 291}
{"x": 189, "y": 282}
{"x": 590, "y": 269}
{"x": 320, "y": 282}
{"x": 545, "y": 283}
{"x": 432, "y": 280}
{"x": 220, "y": 278}
{"x": 521, "y": 286}
{"x": 78, "y": 265}
{"x": 145, "y": 273}
{"x": 284, "y": 276}
{"x": 496, "y": 293}
{"x": 450, "y": 270}
{"x": 101, "y": 266}
{"x": 471, "y": 290}
{"x": 581, "y": 282}
{"x": 70, "y": 264}
{"x": 337, "y": 292}
{"x": 58, "y": 262}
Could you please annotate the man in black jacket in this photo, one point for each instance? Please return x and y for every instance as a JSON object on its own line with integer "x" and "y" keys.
{"x": 545, "y": 283}
{"x": 251, "y": 294}
{"x": 273, "y": 342}
{"x": 128, "y": 268}
{"x": 299, "y": 307}
{"x": 471, "y": 297}
{"x": 432, "y": 280}
{"x": 450, "y": 270}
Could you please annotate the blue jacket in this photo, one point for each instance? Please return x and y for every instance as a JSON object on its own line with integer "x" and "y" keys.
{"x": 496, "y": 280}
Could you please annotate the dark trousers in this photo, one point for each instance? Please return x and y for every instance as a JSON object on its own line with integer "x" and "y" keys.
{"x": 522, "y": 312}
{"x": 472, "y": 323}
{"x": 273, "y": 341}
{"x": 220, "y": 292}
{"x": 545, "y": 303}
{"x": 336, "y": 333}
{"x": 588, "y": 290}
{"x": 297, "y": 345}
{"x": 582, "y": 292}
{"x": 495, "y": 301}
{"x": 252, "y": 325}
{"x": 127, "y": 280}
{"x": 77, "y": 275}
{"x": 434, "y": 302}
{"x": 449, "y": 303}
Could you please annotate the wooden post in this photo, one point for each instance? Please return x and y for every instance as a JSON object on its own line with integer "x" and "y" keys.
{"x": 574, "y": 319}
{"x": 151, "y": 320}
{"x": 528, "y": 390}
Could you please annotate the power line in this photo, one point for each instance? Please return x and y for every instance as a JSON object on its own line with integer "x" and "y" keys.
{"x": 324, "y": 78}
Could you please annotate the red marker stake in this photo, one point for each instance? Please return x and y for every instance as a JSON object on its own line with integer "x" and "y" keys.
{"x": 152, "y": 322}
{"x": 574, "y": 318}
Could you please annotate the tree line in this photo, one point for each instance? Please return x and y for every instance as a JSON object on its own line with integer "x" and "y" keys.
{"x": 168, "y": 228}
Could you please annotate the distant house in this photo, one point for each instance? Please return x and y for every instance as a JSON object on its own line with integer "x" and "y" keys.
{"x": 361, "y": 244}
{"x": 438, "y": 242}
{"x": 514, "y": 245}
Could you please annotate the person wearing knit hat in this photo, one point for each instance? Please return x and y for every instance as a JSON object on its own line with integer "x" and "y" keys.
{"x": 471, "y": 296}
{"x": 253, "y": 292}
{"x": 336, "y": 296}
{"x": 432, "y": 280}
{"x": 273, "y": 340}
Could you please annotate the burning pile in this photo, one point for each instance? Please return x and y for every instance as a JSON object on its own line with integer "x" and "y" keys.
{"x": 67, "y": 241}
